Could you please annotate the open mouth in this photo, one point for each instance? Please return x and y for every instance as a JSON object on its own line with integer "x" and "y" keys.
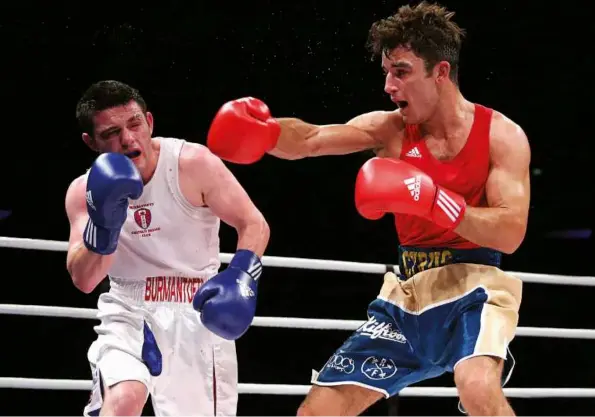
{"x": 132, "y": 154}
{"x": 402, "y": 104}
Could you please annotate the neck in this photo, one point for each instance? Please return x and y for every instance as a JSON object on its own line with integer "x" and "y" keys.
{"x": 449, "y": 115}
{"x": 151, "y": 162}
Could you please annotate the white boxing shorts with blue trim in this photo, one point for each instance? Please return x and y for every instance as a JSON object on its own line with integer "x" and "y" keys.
{"x": 424, "y": 326}
{"x": 150, "y": 333}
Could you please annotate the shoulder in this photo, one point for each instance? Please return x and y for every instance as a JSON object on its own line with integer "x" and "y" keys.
{"x": 508, "y": 139}
{"x": 385, "y": 127}
{"x": 190, "y": 153}
{"x": 75, "y": 195}
{"x": 378, "y": 121}
{"x": 77, "y": 185}
{"x": 198, "y": 161}
{"x": 196, "y": 153}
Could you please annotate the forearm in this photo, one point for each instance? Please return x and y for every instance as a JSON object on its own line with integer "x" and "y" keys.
{"x": 492, "y": 227}
{"x": 254, "y": 236}
{"x": 293, "y": 140}
{"x": 299, "y": 139}
{"x": 87, "y": 269}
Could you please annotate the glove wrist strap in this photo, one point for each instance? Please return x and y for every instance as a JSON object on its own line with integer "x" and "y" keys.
{"x": 100, "y": 240}
{"x": 247, "y": 261}
{"x": 449, "y": 208}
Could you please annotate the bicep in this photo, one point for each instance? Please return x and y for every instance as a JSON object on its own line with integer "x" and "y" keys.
{"x": 224, "y": 195}
{"x": 76, "y": 211}
{"x": 340, "y": 140}
{"x": 508, "y": 188}
{"x": 508, "y": 183}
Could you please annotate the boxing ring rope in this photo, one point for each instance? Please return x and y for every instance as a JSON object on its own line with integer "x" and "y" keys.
{"x": 301, "y": 323}
{"x": 314, "y": 264}
{"x": 284, "y": 389}
{"x": 279, "y": 322}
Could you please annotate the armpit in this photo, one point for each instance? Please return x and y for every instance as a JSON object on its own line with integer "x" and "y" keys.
{"x": 380, "y": 152}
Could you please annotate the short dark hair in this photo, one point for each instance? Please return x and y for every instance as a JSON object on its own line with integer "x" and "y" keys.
{"x": 104, "y": 95}
{"x": 426, "y": 29}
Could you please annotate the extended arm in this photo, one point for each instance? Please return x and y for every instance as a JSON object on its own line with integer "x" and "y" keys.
{"x": 87, "y": 269}
{"x": 243, "y": 131}
{"x": 299, "y": 139}
{"x": 503, "y": 224}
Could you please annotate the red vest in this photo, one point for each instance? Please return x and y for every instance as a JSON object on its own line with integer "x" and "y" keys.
{"x": 465, "y": 174}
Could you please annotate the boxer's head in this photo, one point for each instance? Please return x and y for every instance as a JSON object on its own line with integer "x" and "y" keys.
{"x": 114, "y": 118}
{"x": 419, "y": 47}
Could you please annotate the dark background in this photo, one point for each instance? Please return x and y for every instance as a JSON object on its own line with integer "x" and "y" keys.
{"x": 530, "y": 61}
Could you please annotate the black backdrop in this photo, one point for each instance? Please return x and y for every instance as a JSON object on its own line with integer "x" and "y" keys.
{"x": 530, "y": 61}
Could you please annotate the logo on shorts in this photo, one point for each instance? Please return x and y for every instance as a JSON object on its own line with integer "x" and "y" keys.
{"x": 375, "y": 329}
{"x": 378, "y": 368}
{"x": 341, "y": 364}
{"x": 142, "y": 217}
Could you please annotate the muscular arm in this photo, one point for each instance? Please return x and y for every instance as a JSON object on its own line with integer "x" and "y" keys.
{"x": 87, "y": 269}
{"x": 228, "y": 200}
{"x": 300, "y": 139}
{"x": 503, "y": 224}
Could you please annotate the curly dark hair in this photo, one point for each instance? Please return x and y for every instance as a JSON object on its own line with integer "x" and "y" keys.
{"x": 426, "y": 29}
{"x": 104, "y": 95}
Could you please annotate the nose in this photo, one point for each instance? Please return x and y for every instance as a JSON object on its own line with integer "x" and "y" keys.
{"x": 390, "y": 85}
{"x": 127, "y": 137}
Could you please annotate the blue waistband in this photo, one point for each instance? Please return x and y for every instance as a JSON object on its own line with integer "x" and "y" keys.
{"x": 413, "y": 260}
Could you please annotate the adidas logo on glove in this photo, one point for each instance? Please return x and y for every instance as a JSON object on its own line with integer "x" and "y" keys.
{"x": 387, "y": 185}
{"x": 413, "y": 185}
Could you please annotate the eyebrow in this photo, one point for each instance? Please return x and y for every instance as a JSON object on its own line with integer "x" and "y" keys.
{"x": 401, "y": 64}
{"x": 137, "y": 116}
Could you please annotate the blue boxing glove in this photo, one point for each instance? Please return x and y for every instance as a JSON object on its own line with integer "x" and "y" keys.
{"x": 112, "y": 180}
{"x": 227, "y": 302}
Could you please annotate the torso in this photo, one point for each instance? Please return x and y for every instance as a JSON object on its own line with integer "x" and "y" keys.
{"x": 167, "y": 232}
{"x": 460, "y": 164}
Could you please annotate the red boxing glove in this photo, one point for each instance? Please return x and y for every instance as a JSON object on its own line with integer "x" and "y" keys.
{"x": 243, "y": 131}
{"x": 392, "y": 186}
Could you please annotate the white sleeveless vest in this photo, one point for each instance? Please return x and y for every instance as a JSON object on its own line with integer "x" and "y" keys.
{"x": 164, "y": 235}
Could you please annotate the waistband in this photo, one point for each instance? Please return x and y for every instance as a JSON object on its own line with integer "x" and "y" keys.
{"x": 413, "y": 260}
{"x": 162, "y": 289}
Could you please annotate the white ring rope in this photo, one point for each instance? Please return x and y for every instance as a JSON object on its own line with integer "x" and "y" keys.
{"x": 279, "y": 322}
{"x": 301, "y": 323}
{"x": 285, "y": 389}
{"x": 315, "y": 264}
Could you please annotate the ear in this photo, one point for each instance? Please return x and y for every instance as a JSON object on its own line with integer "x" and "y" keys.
{"x": 150, "y": 121}
{"x": 442, "y": 71}
{"x": 88, "y": 139}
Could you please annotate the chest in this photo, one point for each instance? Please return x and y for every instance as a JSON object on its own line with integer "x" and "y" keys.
{"x": 153, "y": 215}
{"x": 439, "y": 150}
{"x": 164, "y": 213}
{"x": 443, "y": 150}
{"x": 461, "y": 166}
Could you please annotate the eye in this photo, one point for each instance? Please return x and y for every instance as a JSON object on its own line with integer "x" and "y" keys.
{"x": 111, "y": 134}
{"x": 400, "y": 73}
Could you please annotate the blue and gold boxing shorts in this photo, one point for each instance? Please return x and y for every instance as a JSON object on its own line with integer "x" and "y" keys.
{"x": 424, "y": 326}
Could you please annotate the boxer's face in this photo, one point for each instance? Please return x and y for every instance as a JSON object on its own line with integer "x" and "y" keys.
{"x": 124, "y": 129}
{"x": 410, "y": 85}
